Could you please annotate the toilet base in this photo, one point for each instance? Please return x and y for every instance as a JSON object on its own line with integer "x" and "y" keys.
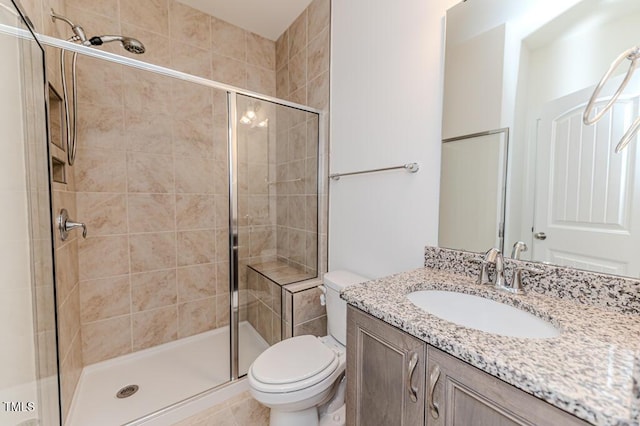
{"x": 335, "y": 418}
{"x": 308, "y": 417}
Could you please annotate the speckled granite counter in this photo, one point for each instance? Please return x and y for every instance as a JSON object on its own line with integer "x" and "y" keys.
{"x": 589, "y": 370}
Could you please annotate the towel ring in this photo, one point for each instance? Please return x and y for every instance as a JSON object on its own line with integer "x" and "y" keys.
{"x": 628, "y": 136}
{"x": 632, "y": 54}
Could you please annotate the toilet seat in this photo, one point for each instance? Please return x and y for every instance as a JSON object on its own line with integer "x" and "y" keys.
{"x": 292, "y": 365}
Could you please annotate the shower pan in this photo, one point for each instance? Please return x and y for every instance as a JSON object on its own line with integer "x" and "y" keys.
{"x": 188, "y": 189}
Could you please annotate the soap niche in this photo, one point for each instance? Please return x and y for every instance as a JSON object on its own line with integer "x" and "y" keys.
{"x": 56, "y": 119}
{"x": 59, "y": 172}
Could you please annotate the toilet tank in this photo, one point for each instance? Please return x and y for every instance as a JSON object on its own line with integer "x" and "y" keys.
{"x": 336, "y": 307}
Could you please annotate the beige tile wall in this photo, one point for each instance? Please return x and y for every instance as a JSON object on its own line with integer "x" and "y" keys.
{"x": 183, "y": 38}
{"x": 241, "y": 410}
{"x": 256, "y": 205}
{"x": 293, "y": 309}
{"x": 309, "y": 315}
{"x": 302, "y": 75}
{"x": 302, "y": 57}
{"x": 302, "y": 311}
{"x": 265, "y": 307}
{"x": 297, "y": 196}
{"x": 152, "y": 190}
{"x": 152, "y": 174}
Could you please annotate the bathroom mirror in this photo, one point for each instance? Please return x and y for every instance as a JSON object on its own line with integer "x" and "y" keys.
{"x": 530, "y": 67}
{"x": 472, "y": 183}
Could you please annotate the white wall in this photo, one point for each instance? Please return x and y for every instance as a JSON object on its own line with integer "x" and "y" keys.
{"x": 470, "y": 107}
{"x": 386, "y": 109}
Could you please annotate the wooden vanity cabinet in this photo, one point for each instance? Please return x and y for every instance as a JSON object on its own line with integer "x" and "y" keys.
{"x": 381, "y": 380}
{"x": 385, "y": 373}
{"x": 464, "y": 395}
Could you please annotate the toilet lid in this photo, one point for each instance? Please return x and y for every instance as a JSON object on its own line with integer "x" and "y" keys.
{"x": 293, "y": 360}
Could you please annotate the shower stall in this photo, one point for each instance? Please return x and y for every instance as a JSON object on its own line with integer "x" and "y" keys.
{"x": 200, "y": 203}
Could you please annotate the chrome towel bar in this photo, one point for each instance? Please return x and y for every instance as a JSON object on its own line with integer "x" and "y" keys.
{"x": 633, "y": 55}
{"x": 410, "y": 167}
{"x": 276, "y": 182}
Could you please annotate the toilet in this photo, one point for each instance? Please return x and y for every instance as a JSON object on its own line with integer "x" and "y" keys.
{"x": 297, "y": 375}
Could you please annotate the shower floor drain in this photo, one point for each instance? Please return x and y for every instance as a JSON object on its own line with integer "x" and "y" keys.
{"x": 127, "y": 391}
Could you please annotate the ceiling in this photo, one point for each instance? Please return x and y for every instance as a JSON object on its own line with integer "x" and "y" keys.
{"x": 266, "y": 18}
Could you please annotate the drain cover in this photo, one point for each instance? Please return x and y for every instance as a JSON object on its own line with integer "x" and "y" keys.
{"x": 127, "y": 391}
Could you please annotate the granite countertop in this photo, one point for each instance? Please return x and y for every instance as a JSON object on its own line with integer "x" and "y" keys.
{"x": 589, "y": 370}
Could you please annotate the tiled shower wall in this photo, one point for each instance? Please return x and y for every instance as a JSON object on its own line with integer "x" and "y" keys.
{"x": 151, "y": 189}
{"x": 256, "y": 204}
{"x": 302, "y": 76}
{"x": 152, "y": 175}
{"x": 297, "y": 192}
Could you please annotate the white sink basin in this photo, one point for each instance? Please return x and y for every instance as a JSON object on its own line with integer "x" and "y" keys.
{"x": 482, "y": 314}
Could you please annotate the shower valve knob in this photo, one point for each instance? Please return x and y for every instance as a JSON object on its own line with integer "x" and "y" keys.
{"x": 65, "y": 225}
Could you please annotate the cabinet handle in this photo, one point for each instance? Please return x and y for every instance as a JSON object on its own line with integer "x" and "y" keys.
{"x": 413, "y": 390}
{"x": 433, "y": 380}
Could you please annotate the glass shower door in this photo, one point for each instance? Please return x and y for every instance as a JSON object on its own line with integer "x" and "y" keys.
{"x": 276, "y": 162}
{"x": 28, "y": 362}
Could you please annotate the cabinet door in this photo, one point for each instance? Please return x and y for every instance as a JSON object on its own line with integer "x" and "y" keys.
{"x": 463, "y": 395}
{"x": 385, "y": 373}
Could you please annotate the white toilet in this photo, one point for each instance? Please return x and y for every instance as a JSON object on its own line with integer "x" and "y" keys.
{"x": 295, "y": 376}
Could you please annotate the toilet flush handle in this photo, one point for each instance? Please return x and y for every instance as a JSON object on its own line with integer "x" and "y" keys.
{"x": 323, "y": 296}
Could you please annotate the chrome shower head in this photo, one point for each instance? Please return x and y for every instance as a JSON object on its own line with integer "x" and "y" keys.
{"x": 130, "y": 44}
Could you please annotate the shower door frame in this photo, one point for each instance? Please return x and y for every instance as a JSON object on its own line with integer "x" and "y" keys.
{"x": 232, "y": 140}
{"x": 32, "y": 36}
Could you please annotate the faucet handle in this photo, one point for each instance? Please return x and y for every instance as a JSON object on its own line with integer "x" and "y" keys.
{"x": 65, "y": 224}
{"x": 490, "y": 257}
{"x": 516, "y": 280}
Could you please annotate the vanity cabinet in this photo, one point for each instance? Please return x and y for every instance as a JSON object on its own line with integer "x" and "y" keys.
{"x": 385, "y": 373}
{"x": 464, "y": 395}
{"x": 382, "y": 380}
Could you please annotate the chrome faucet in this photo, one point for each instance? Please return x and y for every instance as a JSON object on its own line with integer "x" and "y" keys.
{"x": 498, "y": 279}
{"x": 516, "y": 278}
{"x": 518, "y": 247}
{"x": 493, "y": 256}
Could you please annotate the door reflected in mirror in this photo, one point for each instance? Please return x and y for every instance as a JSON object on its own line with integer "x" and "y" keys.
{"x": 564, "y": 181}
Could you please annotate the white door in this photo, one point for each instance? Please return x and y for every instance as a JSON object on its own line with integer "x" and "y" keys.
{"x": 585, "y": 193}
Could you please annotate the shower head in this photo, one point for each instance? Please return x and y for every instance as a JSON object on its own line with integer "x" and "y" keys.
{"x": 130, "y": 44}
